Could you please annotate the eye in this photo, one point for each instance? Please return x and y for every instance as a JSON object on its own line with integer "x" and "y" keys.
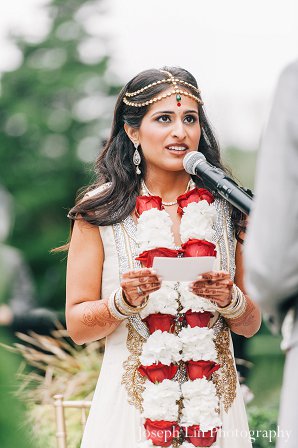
{"x": 191, "y": 118}
{"x": 164, "y": 119}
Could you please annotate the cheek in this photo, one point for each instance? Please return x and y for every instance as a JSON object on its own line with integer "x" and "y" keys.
{"x": 197, "y": 133}
{"x": 152, "y": 136}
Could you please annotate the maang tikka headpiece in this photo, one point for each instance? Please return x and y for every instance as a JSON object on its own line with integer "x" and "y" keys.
{"x": 175, "y": 91}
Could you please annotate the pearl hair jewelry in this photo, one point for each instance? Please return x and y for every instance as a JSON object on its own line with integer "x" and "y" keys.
{"x": 176, "y": 91}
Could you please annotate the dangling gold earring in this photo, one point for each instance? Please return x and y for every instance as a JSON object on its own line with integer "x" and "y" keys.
{"x": 137, "y": 158}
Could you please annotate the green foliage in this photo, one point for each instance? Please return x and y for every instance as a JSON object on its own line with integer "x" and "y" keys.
{"x": 242, "y": 164}
{"x": 52, "y": 365}
{"x": 54, "y": 111}
{"x": 263, "y": 424}
{"x": 13, "y": 431}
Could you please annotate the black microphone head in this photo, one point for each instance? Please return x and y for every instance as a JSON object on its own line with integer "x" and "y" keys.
{"x": 191, "y": 160}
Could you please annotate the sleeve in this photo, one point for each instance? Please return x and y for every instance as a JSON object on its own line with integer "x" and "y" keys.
{"x": 271, "y": 247}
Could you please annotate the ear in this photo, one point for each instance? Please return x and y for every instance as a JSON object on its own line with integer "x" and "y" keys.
{"x": 132, "y": 133}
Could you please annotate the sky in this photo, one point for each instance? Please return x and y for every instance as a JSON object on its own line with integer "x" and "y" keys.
{"x": 235, "y": 49}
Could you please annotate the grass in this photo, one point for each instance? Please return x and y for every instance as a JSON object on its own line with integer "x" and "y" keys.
{"x": 52, "y": 365}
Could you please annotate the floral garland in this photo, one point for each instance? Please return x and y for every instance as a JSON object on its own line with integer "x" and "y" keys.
{"x": 178, "y": 413}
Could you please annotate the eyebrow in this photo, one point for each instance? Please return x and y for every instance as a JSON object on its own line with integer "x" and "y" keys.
{"x": 172, "y": 112}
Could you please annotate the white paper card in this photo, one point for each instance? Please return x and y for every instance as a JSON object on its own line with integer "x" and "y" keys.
{"x": 182, "y": 269}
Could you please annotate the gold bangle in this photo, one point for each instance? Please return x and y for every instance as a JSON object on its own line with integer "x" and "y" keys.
{"x": 115, "y": 312}
{"x": 236, "y": 307}
{"x": 124, "y": 307}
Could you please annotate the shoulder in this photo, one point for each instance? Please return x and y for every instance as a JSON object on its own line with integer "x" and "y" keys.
{"x": 287, "y": 90}
{"x": 290, "y": 71}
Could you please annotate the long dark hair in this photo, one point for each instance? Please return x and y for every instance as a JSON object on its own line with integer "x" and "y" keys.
{"x": 115, "y": 165}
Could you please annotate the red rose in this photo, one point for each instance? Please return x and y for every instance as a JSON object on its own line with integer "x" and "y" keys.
{"x": 198, "y": 248}
{"x": 161, "y": 432}
{"x": 196, "y": 319}
{"x": 158, "y": 321}
{"x": 144, "y": 203}
{"x": 206, "y": 195}
{"x": 195, "y": 195}
{"x": 147, "y": 256}
{"x": 156, "y": 373}
{"x": 200, "y": 438}
{"x": 200, "y": 369}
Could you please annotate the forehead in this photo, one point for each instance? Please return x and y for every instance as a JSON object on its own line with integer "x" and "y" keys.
{"x": 170, "y": 103}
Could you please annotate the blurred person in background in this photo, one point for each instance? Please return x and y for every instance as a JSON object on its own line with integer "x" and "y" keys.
{"x": 158, "y": 118}
{"x": 271, "y": 248}
{"x": 18, "y": 305}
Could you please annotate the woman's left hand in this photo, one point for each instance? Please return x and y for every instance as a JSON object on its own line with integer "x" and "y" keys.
{"x": 215, "y": 286}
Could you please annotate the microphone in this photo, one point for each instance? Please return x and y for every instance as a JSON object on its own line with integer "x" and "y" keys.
{"x": 217, "y": 180}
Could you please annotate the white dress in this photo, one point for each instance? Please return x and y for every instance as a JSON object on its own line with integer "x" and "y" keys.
{"x": 115, "y": 420}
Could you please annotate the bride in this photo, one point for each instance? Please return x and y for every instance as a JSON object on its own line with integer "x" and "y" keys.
{"x": 168, "y": 376}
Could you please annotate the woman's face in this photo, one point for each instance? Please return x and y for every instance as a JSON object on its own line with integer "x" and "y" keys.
{"x": 168, "y": 132}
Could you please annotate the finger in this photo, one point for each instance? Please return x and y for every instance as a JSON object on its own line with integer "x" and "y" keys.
{"x": 136, "y": 278}
{"x": 206, "y": 293}
{"x": 150, "y": 278}
{"x": 212, "y": 289}
{"x": 215, "y": 275}
{"x": 132, "y": 285}
{"x": 224, "y": 284}
{"x": 199, "y": 292}
{"x": 134, "y": 298}
{"x": 150, "y": 286}
{"x": 227, "y": 284}
{"x": 134, "y": 282}
{"x": 138, "y": 273}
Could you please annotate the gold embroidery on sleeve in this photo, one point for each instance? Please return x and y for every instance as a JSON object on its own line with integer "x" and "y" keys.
{"x": 225, "y": 379}
{"x": 131, "y": 378}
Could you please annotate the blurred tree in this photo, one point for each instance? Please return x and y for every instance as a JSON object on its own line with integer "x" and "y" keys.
{"x": 54, "y": 112}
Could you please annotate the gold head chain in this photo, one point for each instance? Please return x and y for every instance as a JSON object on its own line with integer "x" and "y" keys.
{"x": 176, "y": 91}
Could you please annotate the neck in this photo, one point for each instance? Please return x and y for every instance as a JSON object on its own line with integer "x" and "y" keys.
{"x": 169, "y": 185}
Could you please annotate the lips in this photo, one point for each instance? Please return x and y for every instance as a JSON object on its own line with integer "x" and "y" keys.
{"x": 177, "y": 147}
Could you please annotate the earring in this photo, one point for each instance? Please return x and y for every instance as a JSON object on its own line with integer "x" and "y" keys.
{"x": 137, "y": 158}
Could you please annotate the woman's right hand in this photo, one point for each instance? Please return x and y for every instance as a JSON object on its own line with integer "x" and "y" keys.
{"x": 137, "y": 284}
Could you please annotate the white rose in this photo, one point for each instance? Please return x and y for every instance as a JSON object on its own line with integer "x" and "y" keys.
{"x": 162, "y": 301}
{"x": 198, "y": 344}
{"x": 197, "y": 221}
{"x": 191, "y": 301}
{"x": 159, "y": 400}
{"x": 154, "y": 230}
{"x": 163, "y": 347}
{"x": 200, "y": 404}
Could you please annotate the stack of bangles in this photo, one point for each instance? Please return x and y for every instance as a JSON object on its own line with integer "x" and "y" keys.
{"x": 119, "y": 306}
{"x": 236, "y": 307}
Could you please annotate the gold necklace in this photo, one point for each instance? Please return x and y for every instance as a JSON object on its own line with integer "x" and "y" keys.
{"x": 166, "y": 204}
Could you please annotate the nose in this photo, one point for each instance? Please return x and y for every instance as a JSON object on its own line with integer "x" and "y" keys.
{"x": 178, "y": 130}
